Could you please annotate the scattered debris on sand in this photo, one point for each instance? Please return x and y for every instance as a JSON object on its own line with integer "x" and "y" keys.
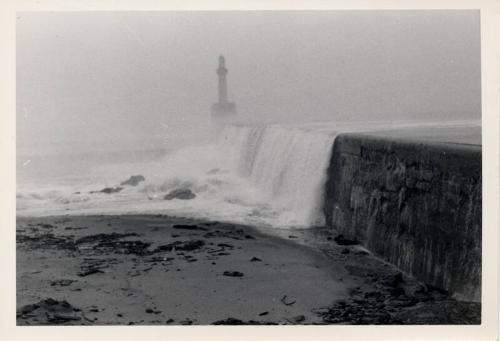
{"x": 46, "y": 241}
{"x": 135, "y": 247}
{"x": 188, "y": 245}
{"x": 92, "y": 266}
{"x": 187, "y": 322}
{"x": 297, "y": 319}
{"x": 103, "y": 237}
{"x": 131, "y": 256}
{"x": 62, "y": 282}
{"x": 50, "y": 312}
{"x": 238, "y": 234}
{"x": 152, "y": 311}
{"x": 189, "y": 227}
{"x": 233, "y": 274}
{"x": 399, "y": 302}
{"x": 229, "y": 321}
{"x": 76, "y": 228}
{"x": 383, "y": 308}
{"x": 236, "y": 322}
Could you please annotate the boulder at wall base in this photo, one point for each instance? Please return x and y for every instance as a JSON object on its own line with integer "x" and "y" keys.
{"x": 134, "y": 180}
{"x": 181, "y": 193}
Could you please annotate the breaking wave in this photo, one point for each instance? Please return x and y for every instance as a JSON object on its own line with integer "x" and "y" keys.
{"x": 261, "y": 175}
{"x": 269, "y": 175}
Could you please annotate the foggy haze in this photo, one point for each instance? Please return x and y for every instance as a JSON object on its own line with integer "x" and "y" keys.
{"x": 92, "y": 77}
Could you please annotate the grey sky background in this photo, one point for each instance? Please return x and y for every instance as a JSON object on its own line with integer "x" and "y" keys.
{"x": 85, "y": 77}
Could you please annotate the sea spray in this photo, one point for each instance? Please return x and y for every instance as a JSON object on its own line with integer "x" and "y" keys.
{"x": 260, "y": 175}
{"x": 286, "y": 165}
{"x": 270, "y": 175}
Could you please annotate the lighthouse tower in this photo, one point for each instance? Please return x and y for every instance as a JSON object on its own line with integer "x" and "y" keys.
{"x": 223, "y": 110}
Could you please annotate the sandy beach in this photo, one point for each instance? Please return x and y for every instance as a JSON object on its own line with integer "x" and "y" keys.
{"x": 146, "y": 270}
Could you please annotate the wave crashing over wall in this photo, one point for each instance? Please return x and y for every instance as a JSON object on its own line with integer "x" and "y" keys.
{"x": 260, "y": 175}
{"x": 286, "y": 165}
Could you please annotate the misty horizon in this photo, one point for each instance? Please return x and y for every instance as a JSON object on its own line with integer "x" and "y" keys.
{"x": 102, "y": 77}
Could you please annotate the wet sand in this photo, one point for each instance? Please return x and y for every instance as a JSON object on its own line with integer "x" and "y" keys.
{"x": 147, "y": 270}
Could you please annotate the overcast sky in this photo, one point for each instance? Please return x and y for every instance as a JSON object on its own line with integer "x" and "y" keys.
{"x": 100, "y": 75}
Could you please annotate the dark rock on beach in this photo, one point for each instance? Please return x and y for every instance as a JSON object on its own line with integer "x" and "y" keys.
{"x": 109, "y": 190}
{"x": 341, "y": 240}
{"x": 181, "y": 193}
{"x": 134, "y": 180}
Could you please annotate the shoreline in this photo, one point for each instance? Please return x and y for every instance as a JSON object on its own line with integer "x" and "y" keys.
{"x": 162, "y": 270}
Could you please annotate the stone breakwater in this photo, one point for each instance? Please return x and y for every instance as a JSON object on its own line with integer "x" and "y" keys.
{"x": 415, "y": 204}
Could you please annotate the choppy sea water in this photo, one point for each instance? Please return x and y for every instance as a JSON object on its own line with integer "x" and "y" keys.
{"x": 270, "y": 175}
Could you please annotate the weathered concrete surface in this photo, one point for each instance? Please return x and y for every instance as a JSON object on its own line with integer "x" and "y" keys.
{"x": 415, "y": 204}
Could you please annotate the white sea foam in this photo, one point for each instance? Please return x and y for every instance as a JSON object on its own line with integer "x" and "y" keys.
{"x": 270, "y": 175}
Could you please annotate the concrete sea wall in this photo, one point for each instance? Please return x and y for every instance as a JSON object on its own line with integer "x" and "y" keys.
{"x": 415, "y": 204}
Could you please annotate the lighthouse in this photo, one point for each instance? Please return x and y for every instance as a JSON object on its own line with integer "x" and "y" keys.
{"x": 222, "y": 73}
{"x": 223, "y": 110}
